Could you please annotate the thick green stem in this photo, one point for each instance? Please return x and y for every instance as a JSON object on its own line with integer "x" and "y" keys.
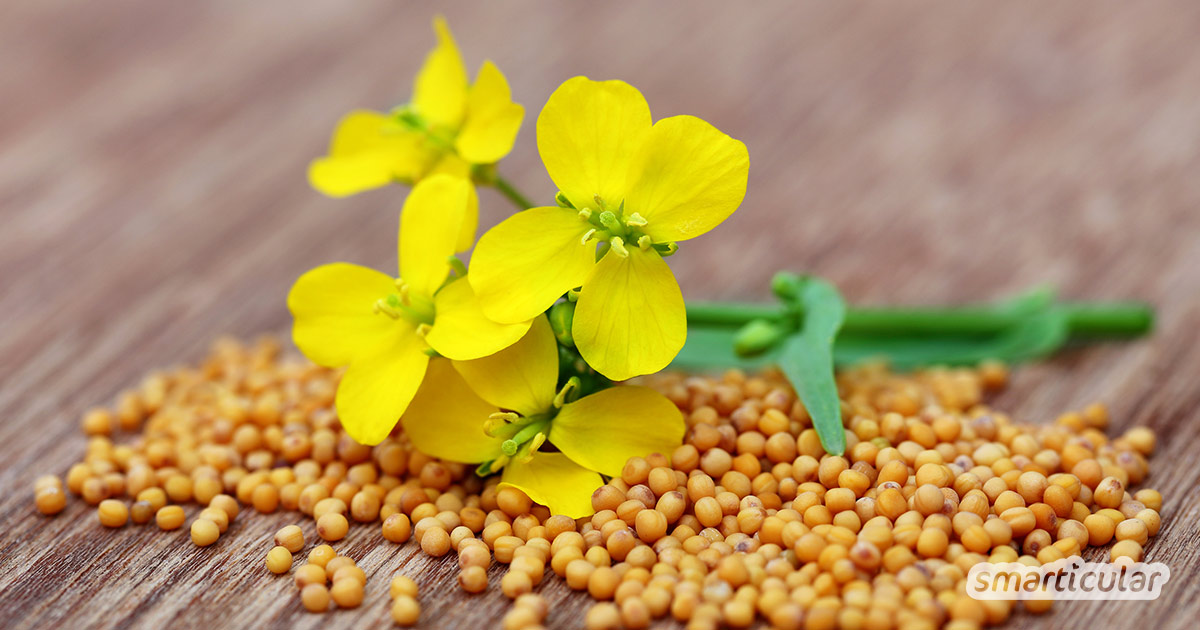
{"x": 508, "y": 190}
{"x": 1118, "y": 319}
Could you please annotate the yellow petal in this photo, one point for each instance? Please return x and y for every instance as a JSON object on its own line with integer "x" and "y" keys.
{"x": 377, "y": 388}
{"x": 630, "y": 319}
{"x": 431, "y": 228}
{"x": 445, "y": 419}
{"x": 686, "y": 179}
{"x": 440, "y": 92}
{"x": 523, "y": 265}
{"x": 587, "y": 135}
{"x": 521, "y": 377}
{"x": 556, "y": 482}
{"x": 368, "y": 150}
{"x": 460, "y": 329}
{"x": 333, "y": 311}
{"x": 492, "y": 119}
{"x": 603, "y": 430}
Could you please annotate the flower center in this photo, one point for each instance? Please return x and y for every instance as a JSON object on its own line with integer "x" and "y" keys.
{"x": 524, "y": 435}
{"x": 617, "y": 229}
{"x": 401, "y": 304}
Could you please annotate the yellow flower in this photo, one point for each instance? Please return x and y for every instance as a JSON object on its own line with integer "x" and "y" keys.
{"x": 631, "y": 187}
{"x": 502, "y": 409}
{"x": 384, "y": 329}
{"x": 448, "y": 126}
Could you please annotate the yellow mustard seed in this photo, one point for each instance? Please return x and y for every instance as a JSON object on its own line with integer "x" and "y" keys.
{"x": 321, "y": 554}
{"x": 279, "y": 560}
{"x": 405, "y": 611}
{"x": 291, "y": 538}
{"x": 347, "y": 593}
{"x": 402, "y": 585}
{"x": 50, "y": 500}
{"x": 170, "y": 517}
{"x": 332, "y": 526}
{"x": 141, "y": 512}
{"x": 309, "y": 574}
{"x": 112, "y": 513}
{"x": 397, "y": 528}
{"x": 217, "y": 516}
{"x": 473, "y": 579}
{"x": 204, "y": 532}
{"x": 315, "y": 597}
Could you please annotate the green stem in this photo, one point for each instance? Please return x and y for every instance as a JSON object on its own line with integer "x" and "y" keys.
{"x": 1117, "y": 319}
{"x": 508, "y": 190}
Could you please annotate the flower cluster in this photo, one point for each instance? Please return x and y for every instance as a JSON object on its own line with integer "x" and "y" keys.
{"x": 511, "y": 365}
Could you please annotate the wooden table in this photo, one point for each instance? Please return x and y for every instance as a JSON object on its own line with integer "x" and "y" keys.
{"x": 152, "y": 192}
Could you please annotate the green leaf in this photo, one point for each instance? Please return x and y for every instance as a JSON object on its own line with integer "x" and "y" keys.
{"x": 807, "y": 360}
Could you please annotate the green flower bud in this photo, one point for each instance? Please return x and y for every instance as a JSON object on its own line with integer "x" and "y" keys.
{"x": 561, "y": 316}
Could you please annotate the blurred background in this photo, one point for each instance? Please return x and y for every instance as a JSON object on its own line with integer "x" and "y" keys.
{"x": 153, "y": 155}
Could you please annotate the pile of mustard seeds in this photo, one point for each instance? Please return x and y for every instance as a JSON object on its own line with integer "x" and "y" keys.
{"x": 747, "y": 520}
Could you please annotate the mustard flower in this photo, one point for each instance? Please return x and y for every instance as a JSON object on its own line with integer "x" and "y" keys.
{"x": 629, "y": 191}
{"x": 448, "y": 126}
{"x": 384, "y": 329}
{"x": 502, "y": 412}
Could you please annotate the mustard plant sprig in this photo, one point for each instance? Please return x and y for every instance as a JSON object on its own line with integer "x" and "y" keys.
{"x": 811, "y": 331}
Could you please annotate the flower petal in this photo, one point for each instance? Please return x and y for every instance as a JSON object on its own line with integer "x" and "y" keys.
{"x": 377, "y": 388}
{"x": 630, "y": 318}
{"x": 440, "y": 91}
{"x": 445, "y": 419}
{"x": 492, "y": 119}
{"x": 460, "y": 329}
{"x": 368, "y": 150}
{"x": 521, "y": 377}
{"x": 526, "y": 263}
{"x": 556, "y": 482}
{"x": 431, "y": 229}
{"x": 332, "y": 307}
{"x": 686, "y": 179}
{"x": 587, "y": 135}
{"x": 603, "y": 430}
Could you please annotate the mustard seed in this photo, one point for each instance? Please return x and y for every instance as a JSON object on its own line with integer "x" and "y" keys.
{"x": 402, "y": 585}
{"x": 321, "y": 555}
{"x": 291, "y": 538}
{"x": 315, "y": 597}
{"x": 309, "y": 574}
{"x": 141, "y": 512}
{"x": 473, "y": 579}
{"x": 397, "y": 528}
{"x": 279, "y": 560}
{"x": 405, "y": 611}
{"x": 170, "y": 517}
{"x": 50, "y": 500}
{"x": 1133, "y": 529}
{"x": 217, "y": 516}
{"x": 226, "y": 503}
{"x": 347, "y": 593}
{"x": 204, "y": 532}
{"x": 112, "y": 513}
{"x": 435, "y": 542}
{"x": 332, "y": 526}
{"x": 603, "y": 616}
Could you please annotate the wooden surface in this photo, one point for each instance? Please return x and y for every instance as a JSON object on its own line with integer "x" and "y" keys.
{"x": 152, "y": 197}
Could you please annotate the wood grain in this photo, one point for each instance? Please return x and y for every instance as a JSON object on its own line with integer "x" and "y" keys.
{"x": 152, "y": 197}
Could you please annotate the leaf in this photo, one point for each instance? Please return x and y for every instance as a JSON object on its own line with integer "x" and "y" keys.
{"x": 807, "y": 360}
